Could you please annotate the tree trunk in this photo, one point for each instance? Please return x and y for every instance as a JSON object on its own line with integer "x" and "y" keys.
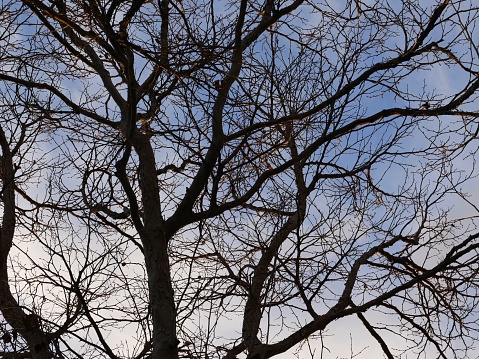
{"x": 162, "y": 305}
{"x": 155, "y": 241}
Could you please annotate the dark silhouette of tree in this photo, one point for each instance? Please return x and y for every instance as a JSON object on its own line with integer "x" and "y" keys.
{"x": 222, "y": 179}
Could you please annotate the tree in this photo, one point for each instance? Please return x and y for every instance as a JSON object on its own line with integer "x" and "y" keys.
{"x": 211, "y": 179}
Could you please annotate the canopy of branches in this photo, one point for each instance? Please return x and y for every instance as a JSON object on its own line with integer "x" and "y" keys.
{"x": 238, "y": 179}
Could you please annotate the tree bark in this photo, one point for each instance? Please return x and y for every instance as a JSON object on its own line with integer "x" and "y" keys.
{"x": 155, "y": 240}
{"x": 162, "y": 305}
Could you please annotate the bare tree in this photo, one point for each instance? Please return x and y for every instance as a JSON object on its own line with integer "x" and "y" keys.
{"x": 222, "y": 179}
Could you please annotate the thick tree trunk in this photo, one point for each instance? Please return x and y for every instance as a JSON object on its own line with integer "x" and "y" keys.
{"x": 162, "y": 305}
{"x": 152, "y": 233}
